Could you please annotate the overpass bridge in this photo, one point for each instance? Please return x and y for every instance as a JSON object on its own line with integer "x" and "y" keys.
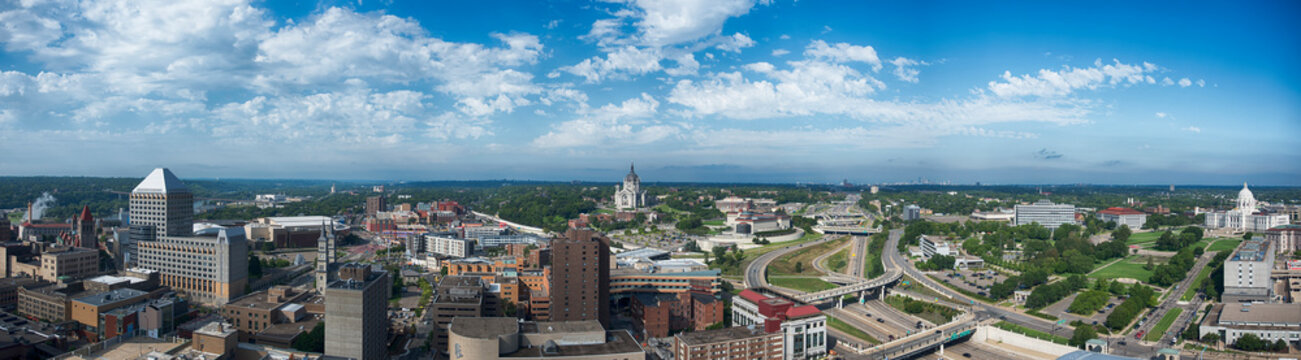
{"x": 915, "y": 344}
{"x": 845, "y": 230}
{"x": 889, "y": 277}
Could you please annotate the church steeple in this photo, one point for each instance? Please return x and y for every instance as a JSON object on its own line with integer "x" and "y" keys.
{"x": 632, "y": 169}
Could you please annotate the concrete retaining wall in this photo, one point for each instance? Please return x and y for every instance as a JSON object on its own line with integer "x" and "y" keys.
{"x": 987, "y": 333}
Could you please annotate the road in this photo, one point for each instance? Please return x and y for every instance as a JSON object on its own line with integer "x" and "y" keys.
{"x": 857, "y": 256}
{"x": 1171, "y": 301}
{"x": 754, "y": 274}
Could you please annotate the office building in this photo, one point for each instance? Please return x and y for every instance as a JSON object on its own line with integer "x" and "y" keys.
{"x": 291, "y": 231}
{"x": 459, "y": 297}
{"x": 1046, "y": 213}
{"x": 86, "y": 237}
{"x": 750, "y": 222}
{"x": 1134, "y": 219}
{"x": 803, "y": 328}
{"x": 657, "y": 315}
{"x": 996, "y": 215}
{"x": 210, "y": 269}
{"x": 1286, "y": 238}
{"x": 912, "y": 212}
{"x": 449, "y": 246}
{"x": 88, "y": 311}
{"x": 580, "y": 277}
{"x": 734, "y": 343}
{"x": 486, "y": 241}
{"x": 1269, "y": 322}
{"x": 259, "y": 311}
{"x": 1246, "y": 272}
{"x": 49, "y": 303}
{"x": 356, "y": 307}
{"x": 491, "y": 338}
{"x": 932, "y": 245}
{"x": 9, "y": 290}
{"x": 163, "y": 202}
{"x": 631, "y": 195}
{"x": 376, "y": 204}
{"x": 69, "y": 264}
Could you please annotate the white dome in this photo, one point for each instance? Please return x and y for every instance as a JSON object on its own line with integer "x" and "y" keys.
{"x": 1246, "y": 201}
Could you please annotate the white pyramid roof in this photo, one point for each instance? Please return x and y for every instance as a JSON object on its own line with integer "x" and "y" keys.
{"x": 160, "y": 180}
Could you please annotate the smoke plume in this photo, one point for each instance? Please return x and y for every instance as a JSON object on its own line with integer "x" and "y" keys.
{"x": 40, "y": 205}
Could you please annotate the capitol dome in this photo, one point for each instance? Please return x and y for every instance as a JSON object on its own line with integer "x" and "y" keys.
{"x": 1246, "y": 201}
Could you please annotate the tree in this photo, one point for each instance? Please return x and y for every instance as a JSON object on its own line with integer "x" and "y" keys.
{"x": 799, "y": 267}
{"x": 1211, "y": 338}
{"x": 1250, "y": 342}
{"x": 312, "y": 341}
{"x": 1246, "y": 236}
{"x": 1122, "y": 234}
{"x": 1150, "y": 265}
{"x": 268, "y": 246}
{"x": 1083, "y": 334}
{"x": 254, "y": 266}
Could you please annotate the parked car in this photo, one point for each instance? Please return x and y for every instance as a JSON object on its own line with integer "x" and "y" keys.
{"x": 880, "y": 320}
{"x": 966, "y": 355}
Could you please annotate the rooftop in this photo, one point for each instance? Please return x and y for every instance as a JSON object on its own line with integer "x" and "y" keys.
{"x": 484, "y": 327}
{"x": 616, "y": 342}
{"x": 1251, "y": 250}
{"x": 552, "y": 327}
{"x": 110, "y": 297}
{"x": 720, "y": 335}
{"x": 160, "y": 180}
{"x": 1089, "y": 355}
{"x": 1261, "y": 314}
{"x": 220, "y": 329}
{"x": 112, "y": 280}
{"x": 1120, "y": 211}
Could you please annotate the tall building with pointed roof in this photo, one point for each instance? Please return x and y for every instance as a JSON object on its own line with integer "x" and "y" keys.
{"x": 161, "y": 201}
{"x": 86, "y": 230}
{"x": 630, "y": 196}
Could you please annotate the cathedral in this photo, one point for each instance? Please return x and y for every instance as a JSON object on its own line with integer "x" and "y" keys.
{"x": 630, "y": 196}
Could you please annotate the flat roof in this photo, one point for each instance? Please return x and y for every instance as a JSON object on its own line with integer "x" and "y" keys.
{"x": 109, "y": 297}
{"x": 616, "y": 342}
{"x": 111, "y": 280}
{"x": 552, "y": 327}
{"x": 483, "y": 327}
{"x": 720, "y": 335}
{"x": 1261, "y": 313}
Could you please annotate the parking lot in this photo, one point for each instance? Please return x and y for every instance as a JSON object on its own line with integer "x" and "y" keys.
{"x": 1058, "y": 309}
{"x": 670, "y": 239}
{"x": 976, "y": 281}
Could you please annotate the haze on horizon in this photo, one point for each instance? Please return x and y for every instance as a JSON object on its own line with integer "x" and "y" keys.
{"x": 712, "y": 91}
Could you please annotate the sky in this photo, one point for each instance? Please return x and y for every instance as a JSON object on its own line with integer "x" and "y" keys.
{"x": 1110, "y": 92}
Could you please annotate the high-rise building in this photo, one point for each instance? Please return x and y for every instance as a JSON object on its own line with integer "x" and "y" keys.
{"x": 376, "y": 204}
{"x": 210, "y": 269}
{"x": 86, "y": 230}
{"x": 912, "y": 212}
{"x": 163, "y": 202}
{"x": 356, "y": 307}
{"x": 1045, "y": 213}
{"x": 459, "y": 297}
{"x": 580, "y": 277}
{"x": 1246, "y": 272}
{"x": 325, "y": 258}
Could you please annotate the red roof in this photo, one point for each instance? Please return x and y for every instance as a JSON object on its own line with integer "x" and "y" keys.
{"x": 752, "y": 296}
{"x": 85, "y": 213}
{"x": 802, "y": 311}
{"x": 1121, "y": 211}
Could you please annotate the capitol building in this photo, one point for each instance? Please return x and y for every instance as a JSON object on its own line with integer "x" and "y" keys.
{"x": 1246, "y": 216}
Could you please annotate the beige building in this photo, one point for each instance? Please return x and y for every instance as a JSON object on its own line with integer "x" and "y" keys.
{"x": 86, "y": 309}
{"x": 216, "y": 338}
{"x": 50, "y": 303}
{"x": 489, "y": 338}
{"x": 69, "y": 264}
{"x": 210, "y": 269}
{"x": 356, "y": 313}
{"x": 734, "y": 343}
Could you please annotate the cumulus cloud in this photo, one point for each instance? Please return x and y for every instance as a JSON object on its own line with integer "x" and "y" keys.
{"x": 905, "y": 69}
{"x": 1185, "y": 82}
{"x": 620, "y": 63}
{"x": 843, "y": 53}
{"x": 627, "y": 123}
{"x": 1193, "y": 129}
{"x": 780, "y": 52}
{"x": 1161, "y": 115}
{"x": 1048, "y": 83}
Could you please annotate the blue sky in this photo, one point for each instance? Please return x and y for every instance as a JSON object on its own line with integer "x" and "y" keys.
{"x": 721, "y": 90}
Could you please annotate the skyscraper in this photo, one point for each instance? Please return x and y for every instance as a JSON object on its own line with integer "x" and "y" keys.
{"x": 356, "y": 307}
{"x": 580, "y": 277}
{"x": 211, "y": 269}
{"x": 164, "y": 203}
{"x": 376, "y": 204}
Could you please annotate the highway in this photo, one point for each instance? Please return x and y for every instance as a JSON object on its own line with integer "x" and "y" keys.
{"x": 754, "y": 274}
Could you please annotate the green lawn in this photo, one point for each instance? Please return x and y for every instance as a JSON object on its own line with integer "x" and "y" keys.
{"x": 1197, "y": 283}
{"x": 751, "y": 254}
{"x": 802, "y": 284}
{"x": 714, "y": 222}
{"x": 1030, "y": 332}
{"x": 838, "y": 261}
{"x": 1131, "y": 267}
{"x": 1160, "y": 328}
{"x": 852, "y": 331}
{"x": 1224, "y": 244}
{"x": 1143, "y": 238}
{"x": 785, "y": 265}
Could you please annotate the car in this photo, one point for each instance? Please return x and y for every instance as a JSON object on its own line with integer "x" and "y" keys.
{"x": 938, "y": 331}
{"x": 867, "y": 314}
{"x": 966, "y": 355}
{"x": 1121, "y": 343}
{"x": 880, "y": 320}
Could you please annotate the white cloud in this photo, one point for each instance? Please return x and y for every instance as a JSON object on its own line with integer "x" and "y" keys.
{"x": 687, "y": 65}
{"x": 357, "y": 116}
{"x": 1193, "y": 129}
{"x": 1185, "y": 82}
{"x": 780, "y": 52}
{"x": 843, "y": 52}
{"x": 1161, "y": 115}
{"x": 664, "y": 23}
{"x": 785, "y": 37}
{"x": 1048, "y": 83}
{"x": 735, "y": 43}
{"x": 905, "y": 69}
{"x": 627, "y": 123}
{"x": 552, "y": 24}
{"x": 1167, "y": 82}
{"x": 619, "y": 63}
{"x": 1201, "y": 83}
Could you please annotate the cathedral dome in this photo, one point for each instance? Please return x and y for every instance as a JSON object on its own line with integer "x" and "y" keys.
{"x": 632, "y": 175}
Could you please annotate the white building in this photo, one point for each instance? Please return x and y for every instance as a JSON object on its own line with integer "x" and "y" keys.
{"x": 803, "y": 328}
{"x": 993, "y": 216}
{"x": 1246, "y": 272}
{"x": 1045, "y": 213}
{"x": 747, "y": 222}
{"x": 1124, "y": 216}
{"x": 1269, "y": 322}
{"x": 1286, "y": 238}
{"x": 449, "y": 246}
{"x": 931, "y": 247}
{"x": 1245, "y": 216}
{"x": 912, "y": 212}
{"x": 503, "y": 240}
{"x": 630, "y": 196}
